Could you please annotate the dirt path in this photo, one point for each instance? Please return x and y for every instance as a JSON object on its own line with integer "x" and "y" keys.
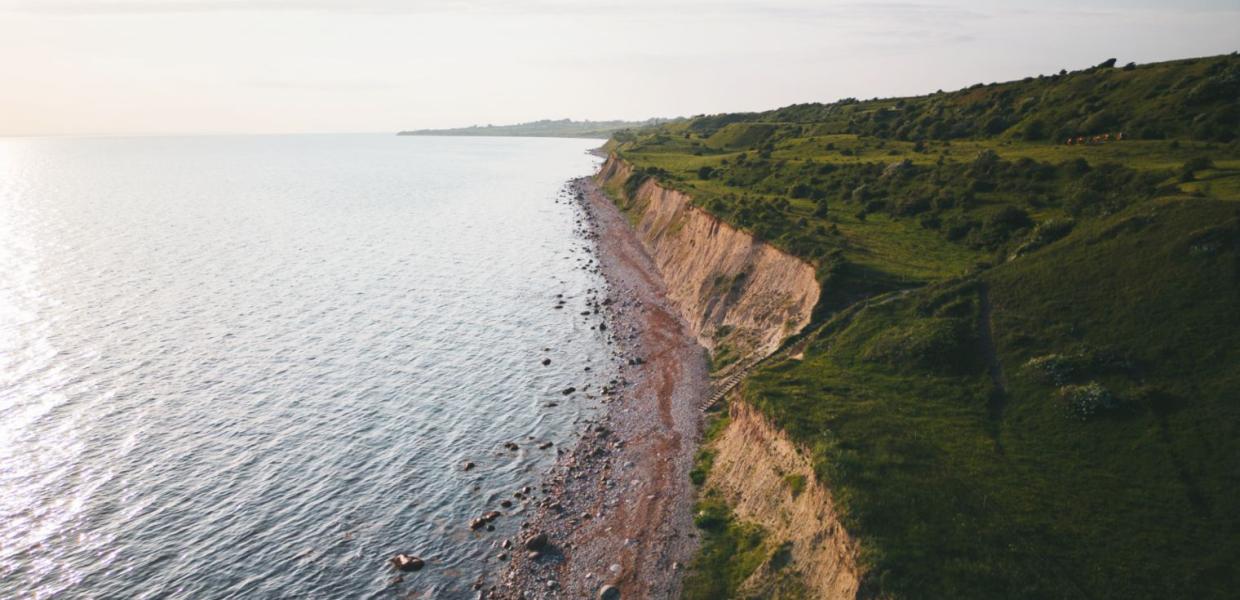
{"x": 618, "y": 508}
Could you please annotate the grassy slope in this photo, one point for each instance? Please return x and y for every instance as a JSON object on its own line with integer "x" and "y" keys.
{"x": 965, "y": 472}
{"x": 959, "y": 490}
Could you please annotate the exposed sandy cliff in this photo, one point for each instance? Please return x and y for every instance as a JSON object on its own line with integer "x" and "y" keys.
{"x": 753, "y": 464}
{"x": 741, "y": 296}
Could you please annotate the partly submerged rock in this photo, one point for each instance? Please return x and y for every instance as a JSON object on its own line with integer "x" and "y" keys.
{"x": 406, "y": 562}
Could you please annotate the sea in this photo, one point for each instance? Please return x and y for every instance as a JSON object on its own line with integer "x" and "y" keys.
{"x": 256, "y": 366}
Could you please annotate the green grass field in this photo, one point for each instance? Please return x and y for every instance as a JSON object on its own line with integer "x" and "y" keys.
{"x": 1051, "y": 410}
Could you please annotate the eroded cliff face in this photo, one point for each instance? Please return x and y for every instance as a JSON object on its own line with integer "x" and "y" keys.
{"x": 753, "y": 465}
{"x": 740, "y": 296}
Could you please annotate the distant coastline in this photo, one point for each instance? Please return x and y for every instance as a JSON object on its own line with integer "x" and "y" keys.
{"x": 544, "y": 128}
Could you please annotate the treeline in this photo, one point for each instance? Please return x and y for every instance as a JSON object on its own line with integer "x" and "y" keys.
{"x": 1189, "y": 99}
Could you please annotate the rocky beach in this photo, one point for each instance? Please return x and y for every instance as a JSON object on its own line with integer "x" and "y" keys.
{"x": 615, "y": 514}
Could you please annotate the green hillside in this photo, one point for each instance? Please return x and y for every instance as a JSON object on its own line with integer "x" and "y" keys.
{"x": 1021, "y": 380}
{"x": 544, "y": 128}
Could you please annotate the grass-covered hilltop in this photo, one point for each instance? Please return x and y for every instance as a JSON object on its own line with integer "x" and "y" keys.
{"x": 1022, "y": 379}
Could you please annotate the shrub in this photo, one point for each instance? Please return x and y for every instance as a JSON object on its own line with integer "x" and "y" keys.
{"x": 1075, "y": 167}
{"x": 800, "y": 190}
{"x": 1085, "y": 401}
{"x": 1001, "y": 224}
{"x": 1045, "y": 233}
{"x": 957, "y": 228}
{"x": 1099, "y": 122}
{"x": 995, "y": 125}
{"x": 1192, "y": 165}
{"x": 1057, "y": 369}
{"x": 1035, "y": 130}
{"x": 712, "y": 515}
{"x": 985, "y": 161}
{"x": 1008, "y": 218}
{"x": 796, "y": 483}
{"x": 861, "y": 193}
{"x": 702, "y": 463}
{"x": 912, "y": 206}
{"x": 1084, "y": 201}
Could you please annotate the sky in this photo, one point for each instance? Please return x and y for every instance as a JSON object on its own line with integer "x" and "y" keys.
{"x": 122, "y": 67}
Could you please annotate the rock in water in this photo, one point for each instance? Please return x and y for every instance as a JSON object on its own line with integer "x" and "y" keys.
{"x": 405, "y": 562}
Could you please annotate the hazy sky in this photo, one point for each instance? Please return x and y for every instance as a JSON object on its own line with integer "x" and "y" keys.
{"x": 188, "y": 66}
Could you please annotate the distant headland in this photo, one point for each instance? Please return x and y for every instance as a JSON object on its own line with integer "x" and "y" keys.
{"x": 545, "y": 128}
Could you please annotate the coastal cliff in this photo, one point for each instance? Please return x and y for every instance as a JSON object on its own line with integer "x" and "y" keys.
{"x": 740, "y": 295}
{"x": 1019, "y": 377}
{"x": 767, "y": 480}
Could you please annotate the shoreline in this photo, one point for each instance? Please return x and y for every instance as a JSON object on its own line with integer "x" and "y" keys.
{"x": 617, "y": 508}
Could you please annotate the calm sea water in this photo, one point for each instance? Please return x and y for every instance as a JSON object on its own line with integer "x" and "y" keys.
{"x": 250, "y": 367}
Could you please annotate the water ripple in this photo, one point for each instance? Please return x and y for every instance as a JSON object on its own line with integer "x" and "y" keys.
{"x": 250, "y": 366}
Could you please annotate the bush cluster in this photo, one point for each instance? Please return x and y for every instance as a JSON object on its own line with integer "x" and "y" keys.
{"x": 1085, "y": 401}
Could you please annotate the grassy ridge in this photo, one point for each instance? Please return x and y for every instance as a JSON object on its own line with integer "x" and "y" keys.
{"x": 1043, "y": 404}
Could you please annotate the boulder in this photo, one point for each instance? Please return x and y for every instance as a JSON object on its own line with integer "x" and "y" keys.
{"x": 405, "y": 562}
{"x": 537, "y": 541}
